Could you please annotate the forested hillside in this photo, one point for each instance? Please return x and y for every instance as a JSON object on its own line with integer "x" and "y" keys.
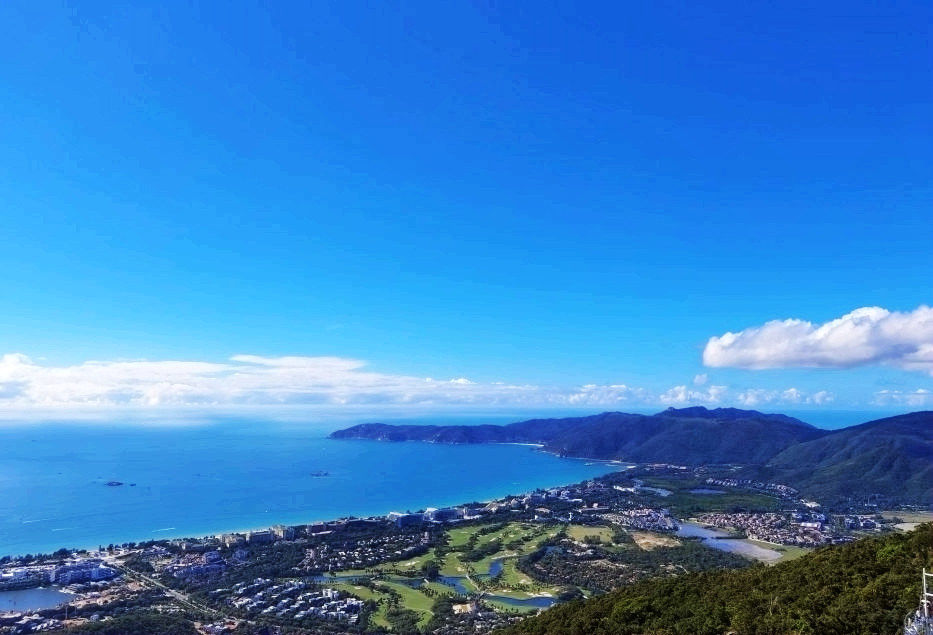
{"x": 690, "y": 436}
{"x": 892, "y": 457}
{"x": 866, "y": 587}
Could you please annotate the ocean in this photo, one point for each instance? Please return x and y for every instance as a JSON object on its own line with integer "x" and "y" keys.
{"x": 219, "y": 475}
{"x": 235, "y": 475}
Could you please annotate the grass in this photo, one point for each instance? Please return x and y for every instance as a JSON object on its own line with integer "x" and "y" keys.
{"x": 511, "y": 583}
{"x": 512, "y": 577}
{"x": 453, "y": 565}
{"x": 442, "y": 589}
{"x": 412, "y": 599}
{"x": 788, "y": 552}
{"x": 412, "y": 564}
{"x": 461, "y": 535}
{"x": 348, "y": 572}
{"x": 362, "y": 592}
{"x": 909, "y": 517}
{"x": 687, "y": 504}
{"x": 378, "y": 617}
{"x": 647, "y": 540}
{"x": 673, "y": 483}
{"x": 502, "y": 606}
{"x": 579, "y": 532}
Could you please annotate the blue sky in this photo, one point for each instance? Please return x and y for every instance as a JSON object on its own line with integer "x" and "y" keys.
{"x": 543, "y": 196}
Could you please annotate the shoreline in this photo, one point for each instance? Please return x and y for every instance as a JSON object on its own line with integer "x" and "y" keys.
{"x": 216, "y": 533}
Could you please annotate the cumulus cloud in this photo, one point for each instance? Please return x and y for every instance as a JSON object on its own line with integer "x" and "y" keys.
{"x": 594, "y": 395}
{"x": 258, "y": 380}
{"x": 682, "y": 395}
{"x": 254, "y": 380}
{"x": 699, "y": 380}
{"x": 913, "y": 398}
{"x": 866, "y": 336}
{"x": 754, "y": 397}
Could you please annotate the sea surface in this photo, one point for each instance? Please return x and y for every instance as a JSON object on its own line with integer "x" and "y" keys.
{"x": 235, "y": 475}
{"x": 214, "y": 475}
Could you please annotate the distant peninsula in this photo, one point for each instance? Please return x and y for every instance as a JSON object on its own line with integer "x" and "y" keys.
{"x": 891, "y": 457}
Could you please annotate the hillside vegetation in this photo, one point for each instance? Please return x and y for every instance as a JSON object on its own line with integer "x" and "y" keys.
{"x": 690, "y": 436}
{"x": 866, "y": 587}
{"x": 891, "y": 457}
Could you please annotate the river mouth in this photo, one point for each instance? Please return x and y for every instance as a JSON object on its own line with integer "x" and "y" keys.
{"x": 722, "y": 541}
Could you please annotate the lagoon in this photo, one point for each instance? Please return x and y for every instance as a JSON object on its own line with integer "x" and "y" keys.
{"x": 32, "y": 599}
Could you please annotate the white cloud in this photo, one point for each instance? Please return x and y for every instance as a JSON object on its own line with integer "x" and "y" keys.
{"x": 866, "y": 336}
{"x": 683, "y": 395}
{"x": 754, "y": 397}
{"x": 257, "y": 380}
{"x": 594, "y": 395}
{"x": 913, "y": 398}
{"x": 822, "y": 397}
{"x": 253, "y": 380}
{"x": 699, "y": 380}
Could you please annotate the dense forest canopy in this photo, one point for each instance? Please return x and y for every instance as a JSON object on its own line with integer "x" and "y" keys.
{"x": 866, "y": 587}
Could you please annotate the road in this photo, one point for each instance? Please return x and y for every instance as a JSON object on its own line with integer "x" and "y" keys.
{"x": 182, "y": 598}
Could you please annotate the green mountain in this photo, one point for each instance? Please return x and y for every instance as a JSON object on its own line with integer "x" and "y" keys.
{"x": 690, "y": 436}
{"x": 866, "y": 587}
{"x": 890, "y": 457}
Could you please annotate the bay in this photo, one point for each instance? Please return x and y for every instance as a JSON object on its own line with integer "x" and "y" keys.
{"x": 235, "y": 475}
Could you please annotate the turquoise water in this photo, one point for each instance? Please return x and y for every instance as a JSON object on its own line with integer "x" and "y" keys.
{"x": 225, "y": 476}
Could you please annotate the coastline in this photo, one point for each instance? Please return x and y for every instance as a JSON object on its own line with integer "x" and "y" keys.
{"x": 498, "y": 483}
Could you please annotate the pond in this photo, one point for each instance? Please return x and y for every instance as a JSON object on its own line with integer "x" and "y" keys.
{"x": 32, "y": 599}
{"x": 538, "y": 601}
{"x": 455, "y": 581}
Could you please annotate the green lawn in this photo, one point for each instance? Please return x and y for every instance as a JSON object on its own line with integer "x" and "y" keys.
{"x": 579, "y": 532}
{"x": 412, "y": 599}
{"x": 502, "y": 606}
{"x": 788, "y": 552}
{"x": 685, "y": 503}
{"x": 512, "y": 582}
{"x": 461, "y": 535}
{"x": 442, "y": 589}
{"x": 364, "y": 593}
{"x": 412, "y": 564}
{"x": 512, "y": 577}
{"x": 453, "y": 565}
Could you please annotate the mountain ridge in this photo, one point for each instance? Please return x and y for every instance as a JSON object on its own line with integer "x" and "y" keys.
{"x": 890, "y": 457}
